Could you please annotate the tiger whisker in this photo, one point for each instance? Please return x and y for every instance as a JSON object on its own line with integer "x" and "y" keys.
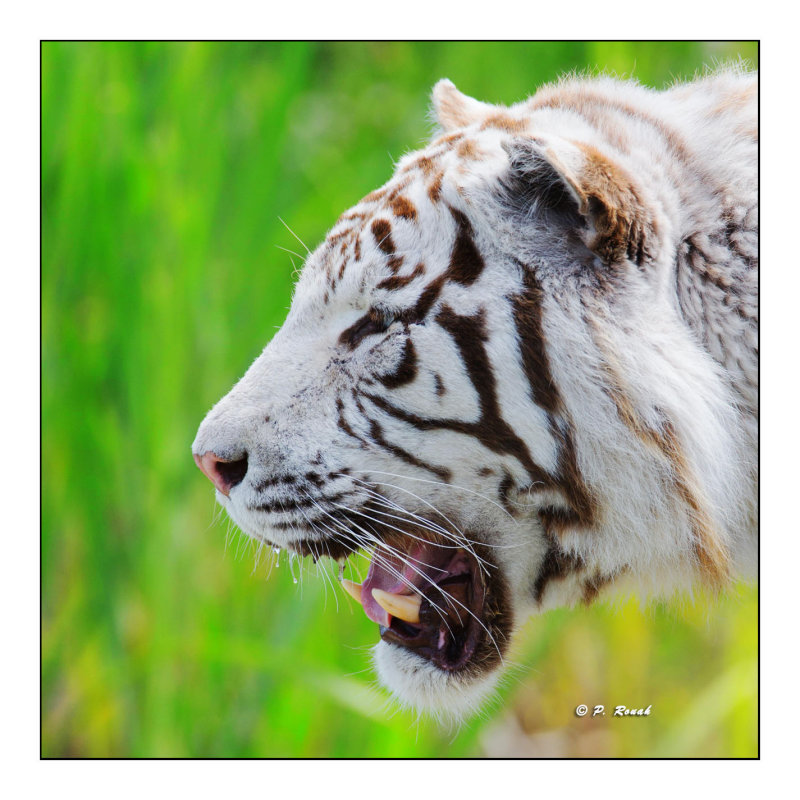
{"x": 449, "y": 486}
{"x": 295, "y": 236}
{"x": 421, "y": 500}
{"x": 399, "y": 530}
{"x": 461, "y": 539}
{"x": 370, "y": 538}
{"x": 456, "y": 542}
{"x": 430, "y": 524}
{"x": 291, "y": 252}
{"x": 326, "y": 577}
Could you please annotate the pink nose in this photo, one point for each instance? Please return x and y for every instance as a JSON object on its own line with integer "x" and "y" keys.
{"x": 223, "y": 473}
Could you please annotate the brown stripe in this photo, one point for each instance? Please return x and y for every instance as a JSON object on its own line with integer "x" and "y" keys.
{"x": 503, "y": 492}
{"x": 527, "y": 310}
{"x": 594, "y": 585}
{"x": 352, "y": 215}
{"x": 572, "y": 99}
{"x": 428, "y": 296}
{"x": 344, "y": 424}
{"x": 693, "y": 259}
{"x": 557, "y": 565}
{"x": 377, "y": 194}
{"x": 370, "y": 323}
{"x": 468, "y": 149}
{"x": 449, "y": 138}
{"x": 400, "y": 281}
{"x": 582, "y": 510}
{"x": 466, "y": 263}
{"x": 406, "y": 370}
{"x": 504, "y": 122}
{"x": 435, "y": 187}
{"x": 712, "y": 553}
{"x": 491, "y": 429}
{"x": 404, "y": 208}
{"x": 382, "y": 231}
{"x": 292, "y": 504}
{"x": 424, "y": 163}
{"x": 376, "y": 433}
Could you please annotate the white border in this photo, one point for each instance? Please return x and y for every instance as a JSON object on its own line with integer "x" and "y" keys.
{"x": 20, "y": 335}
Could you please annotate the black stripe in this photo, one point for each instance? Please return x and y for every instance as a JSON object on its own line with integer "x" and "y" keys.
{"x": 491, "y": 429}
{"x": 527, "y": 310}
{"x": 406, "y": 370}
{"x": 557, "y": 565}
{"x": 376, "y": 434}
{"x": 289, "y": 504}
{"x": 466, "y": 263}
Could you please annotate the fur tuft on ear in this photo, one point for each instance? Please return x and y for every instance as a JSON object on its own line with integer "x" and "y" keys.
{"x": 455, "y": 110}
{"x": 564, "y": 176}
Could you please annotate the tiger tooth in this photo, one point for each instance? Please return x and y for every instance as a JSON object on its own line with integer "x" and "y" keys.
{"x": 402, "y": 606}
{"x": 353, "y": 589}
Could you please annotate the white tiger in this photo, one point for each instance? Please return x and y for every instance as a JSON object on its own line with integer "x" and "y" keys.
{"x": 523, "y": 373}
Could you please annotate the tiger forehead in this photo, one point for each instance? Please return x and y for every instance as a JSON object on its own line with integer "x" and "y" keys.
{"x": 425, "y": 168}
{"x": 413, "y": 197}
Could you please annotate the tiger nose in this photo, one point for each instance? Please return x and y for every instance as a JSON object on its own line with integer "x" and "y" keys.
{"x": 223, "y": 473}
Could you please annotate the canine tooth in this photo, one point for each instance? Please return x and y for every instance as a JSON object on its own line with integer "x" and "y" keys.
{"x": 352, "y": 588}
{"x": 402, "y": 606}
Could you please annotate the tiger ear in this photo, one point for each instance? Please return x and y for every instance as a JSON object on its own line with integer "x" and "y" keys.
{"x": 455, "y": 110}
{"x": 578, "y": 179}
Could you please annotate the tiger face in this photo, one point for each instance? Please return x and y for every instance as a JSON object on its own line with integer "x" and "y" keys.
{"x": 497, "y": 378}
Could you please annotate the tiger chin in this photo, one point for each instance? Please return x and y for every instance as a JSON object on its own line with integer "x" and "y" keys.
{"x": 520, "y": 375}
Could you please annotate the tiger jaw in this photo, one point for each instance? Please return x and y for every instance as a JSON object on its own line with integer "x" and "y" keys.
{"x": 442, "y": 599}
{"x": 446, "y": 605}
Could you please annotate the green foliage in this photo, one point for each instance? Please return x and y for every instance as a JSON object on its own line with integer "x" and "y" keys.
{"x": 165, "y": 170}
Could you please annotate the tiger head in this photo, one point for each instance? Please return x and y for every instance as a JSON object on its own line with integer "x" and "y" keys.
{"x": 486, "y": 380}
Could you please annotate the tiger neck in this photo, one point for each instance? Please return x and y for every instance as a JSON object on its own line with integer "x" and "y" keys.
{"x": 717, "y": 288}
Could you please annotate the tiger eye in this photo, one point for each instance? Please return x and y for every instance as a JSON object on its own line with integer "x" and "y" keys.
{"x": 373, "y": 322}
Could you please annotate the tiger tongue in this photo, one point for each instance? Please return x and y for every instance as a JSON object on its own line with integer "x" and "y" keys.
{"x": 390, "y": 574}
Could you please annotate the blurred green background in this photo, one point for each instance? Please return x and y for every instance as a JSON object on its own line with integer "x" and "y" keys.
{"x": 165, "y": 169}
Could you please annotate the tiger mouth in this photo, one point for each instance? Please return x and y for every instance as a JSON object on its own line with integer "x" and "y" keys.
{"x": 443, "y": 602}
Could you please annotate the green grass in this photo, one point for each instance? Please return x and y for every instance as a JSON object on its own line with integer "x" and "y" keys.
{"x": 165, "y": 170}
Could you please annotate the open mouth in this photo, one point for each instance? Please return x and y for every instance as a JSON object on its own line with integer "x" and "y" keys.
{"x": 441, "y": 597}
{"x": 440, "y": 601}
